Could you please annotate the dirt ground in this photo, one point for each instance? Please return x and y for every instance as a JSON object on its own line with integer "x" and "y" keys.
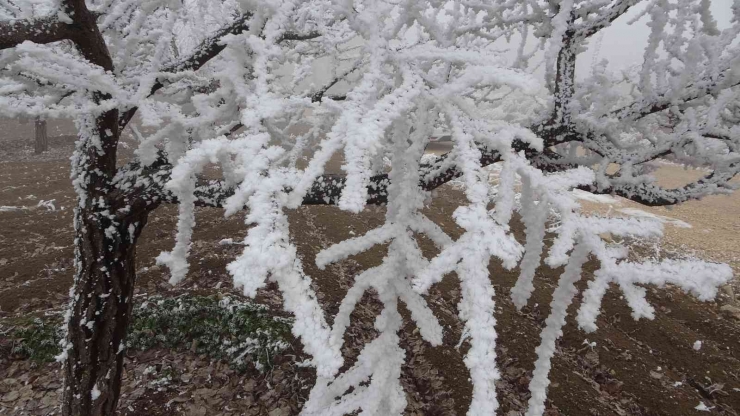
{"x": 635, "y": 368}
{"x": 708, "y": 228}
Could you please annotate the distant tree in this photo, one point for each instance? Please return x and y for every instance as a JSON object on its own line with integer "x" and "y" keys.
{"x": 229, "y": 83}
{"x": 41, "y": 139}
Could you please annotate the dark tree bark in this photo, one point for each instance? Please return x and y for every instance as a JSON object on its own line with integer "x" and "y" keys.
{"x": 100, "y": 312}
{"x": 44, "y": 30}
{"x": 105, "y": 250}
{"x": 105, "y": 274}
{"x": 41, "y": 142}
{"x": 108, "y": 223}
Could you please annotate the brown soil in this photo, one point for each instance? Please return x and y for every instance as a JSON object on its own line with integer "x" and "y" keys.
{"x": 715, "y": 220}
{"x": 636, "y": 368}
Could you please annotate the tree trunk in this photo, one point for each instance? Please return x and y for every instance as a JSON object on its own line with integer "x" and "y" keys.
{"x": 107, "y": 226}
{"x": 41, "y": 143}
{"x": 102, "y": 299}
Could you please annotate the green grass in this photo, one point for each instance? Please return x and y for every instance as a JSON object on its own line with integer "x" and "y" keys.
{"x": 221, "y": 327}
{"x": 227, "y": 329}
{"x": 36, "y": 339}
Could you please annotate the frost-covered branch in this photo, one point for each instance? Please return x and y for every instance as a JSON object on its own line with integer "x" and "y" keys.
{"x": 208, "y": 49}
{"x": 650, "y": 194}
{"x": 42, "y": 30}
{"x": 592, "y": 26}
{"x": 702, "y": 88}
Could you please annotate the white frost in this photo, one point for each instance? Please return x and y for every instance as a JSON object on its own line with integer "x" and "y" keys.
{"x": 634, "y": 212}
{"x": 95, "y": 392}
{"x": 296, "y": 85}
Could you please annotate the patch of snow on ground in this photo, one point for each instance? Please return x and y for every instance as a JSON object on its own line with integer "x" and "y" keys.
{"x": 703, "y": 408}
{"x": 6, "y": 208}
{"x": 634, "y": 212}
{"x": 599, "y": 199}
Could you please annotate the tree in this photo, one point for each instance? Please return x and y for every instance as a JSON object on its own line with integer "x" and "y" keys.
{"x": 41, "y": 139}
{"x": 408, "y": 67}
{"x": 106, "y": 87}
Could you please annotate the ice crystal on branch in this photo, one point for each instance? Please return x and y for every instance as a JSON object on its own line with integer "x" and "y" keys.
{"x": 255, "y": 87}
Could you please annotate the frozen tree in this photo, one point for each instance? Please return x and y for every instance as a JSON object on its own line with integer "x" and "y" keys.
{"x": 230, "y": 83}
{"x": 102, "y": 62}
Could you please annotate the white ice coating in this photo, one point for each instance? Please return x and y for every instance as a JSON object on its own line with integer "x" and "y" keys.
{"x": 306, "y": 81}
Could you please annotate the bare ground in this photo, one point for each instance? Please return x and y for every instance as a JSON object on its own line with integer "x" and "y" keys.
{"x": 636, "y": 368}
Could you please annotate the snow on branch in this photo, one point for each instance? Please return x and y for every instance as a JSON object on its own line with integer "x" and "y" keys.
{"x": 243, "y": 87}
{"x": 42, "y": 30}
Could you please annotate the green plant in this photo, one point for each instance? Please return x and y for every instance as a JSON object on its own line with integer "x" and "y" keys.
{"x": 221, "y": 327}
{"x": 37, "y": 340}
{"x": 218, "y": 326}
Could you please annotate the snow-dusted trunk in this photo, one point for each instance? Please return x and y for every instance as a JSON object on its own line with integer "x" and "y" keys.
{"x": 106, "y": 231}
{"x": 100, "y": 313}
{"x": 41, "y": 143}
{"x": 107, "y": 226}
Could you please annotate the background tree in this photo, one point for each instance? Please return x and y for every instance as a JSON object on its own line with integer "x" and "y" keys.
{"x": 41, "y": 138}
{"x": 239, "y": 94}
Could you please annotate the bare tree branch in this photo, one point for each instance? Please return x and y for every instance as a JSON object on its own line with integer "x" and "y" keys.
{"x": 148, "y": 183}
{"x": 298, "y": 36}
{"x": 327, "y": 189}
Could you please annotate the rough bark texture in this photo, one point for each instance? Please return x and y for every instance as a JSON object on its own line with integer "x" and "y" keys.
{"x": 105, "y": 258}
{"x": 108, "y": 224}
{"x": 100, "y": 313}
{"x": 41, "y": 143}
{"x": 105, "y": 251}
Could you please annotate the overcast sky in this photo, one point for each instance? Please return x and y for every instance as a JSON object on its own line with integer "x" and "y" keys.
{"x": 623, "y": 45}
